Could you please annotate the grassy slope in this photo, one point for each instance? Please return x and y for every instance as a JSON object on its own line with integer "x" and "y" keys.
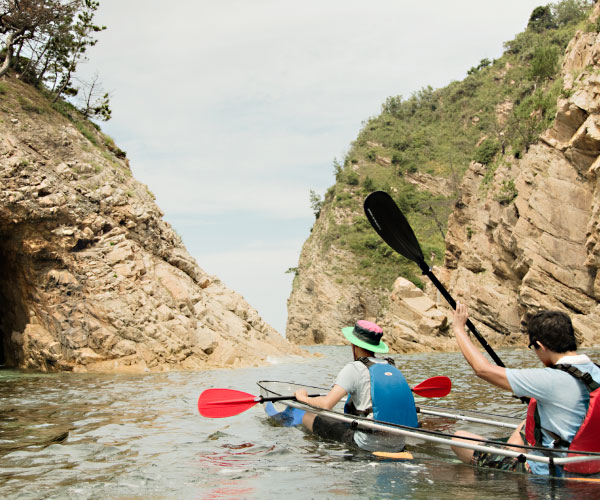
{"x": 19, "y": 97}
{"x": 439, "y": 132}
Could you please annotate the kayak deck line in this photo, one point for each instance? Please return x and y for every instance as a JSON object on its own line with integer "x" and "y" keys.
{"x": 406, "y": 456}
{"x": 474, "y": 412}
{"x": 424, "y": 409}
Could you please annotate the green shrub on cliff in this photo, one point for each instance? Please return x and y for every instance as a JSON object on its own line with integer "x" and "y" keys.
{"x": 541, "y": 19}
{"x": 544, "y": 63}
{"x": 486, "y": 151}
{"x": 533, "y": 115}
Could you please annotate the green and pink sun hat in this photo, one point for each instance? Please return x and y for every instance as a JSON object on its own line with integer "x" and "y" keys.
{"x": 367, "y": 335}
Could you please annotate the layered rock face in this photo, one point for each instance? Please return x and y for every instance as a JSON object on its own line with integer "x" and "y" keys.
{"x": 93, "y": 279}
{"x": 511, "y": 257}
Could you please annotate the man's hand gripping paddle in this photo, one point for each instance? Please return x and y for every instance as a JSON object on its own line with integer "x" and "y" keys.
{"x": 389, "y": 222}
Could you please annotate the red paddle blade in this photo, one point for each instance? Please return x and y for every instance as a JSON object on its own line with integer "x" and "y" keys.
{"x": 434, "y": 387}
{"x": 220, "y": 403}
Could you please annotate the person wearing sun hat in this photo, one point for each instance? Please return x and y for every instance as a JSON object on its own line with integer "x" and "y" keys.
{"x": 375, "y": 388}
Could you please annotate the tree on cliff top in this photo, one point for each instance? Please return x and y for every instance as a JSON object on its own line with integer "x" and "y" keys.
{"x": 44, "y": 40}
{"x": 21, "y": 21}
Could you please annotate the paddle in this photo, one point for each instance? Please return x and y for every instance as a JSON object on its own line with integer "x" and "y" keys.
{"x": 220, "y": 403}
{"x": 389, "y": 222}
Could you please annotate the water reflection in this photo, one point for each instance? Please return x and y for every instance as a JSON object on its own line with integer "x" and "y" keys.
{"x": 122, "y": 436}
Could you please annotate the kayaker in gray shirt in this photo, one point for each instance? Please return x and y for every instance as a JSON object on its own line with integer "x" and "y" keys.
{"x": 377, "y": 389}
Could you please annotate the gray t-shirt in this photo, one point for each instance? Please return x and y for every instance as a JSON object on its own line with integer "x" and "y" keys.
{"x": 355, "y": 379}
{"x": 562, "y": 399}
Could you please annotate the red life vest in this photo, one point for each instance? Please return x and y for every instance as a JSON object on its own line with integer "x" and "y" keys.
{"x": 587, "y": 437}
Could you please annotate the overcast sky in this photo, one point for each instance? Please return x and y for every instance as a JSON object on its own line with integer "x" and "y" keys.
{"x": 231, "y": 111}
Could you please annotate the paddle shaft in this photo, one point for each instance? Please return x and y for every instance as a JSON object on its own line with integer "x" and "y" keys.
{"x": 217, "y": 401}
{"x": 465, "y": 418}
{"x": 452, "y": 303}
{"x": 255, "y": 399}
{"x": 421, "y": 389}
{"x": 471, "y": 326}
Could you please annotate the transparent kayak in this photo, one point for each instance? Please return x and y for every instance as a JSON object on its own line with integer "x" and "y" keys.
{"x": 433, "y": 418}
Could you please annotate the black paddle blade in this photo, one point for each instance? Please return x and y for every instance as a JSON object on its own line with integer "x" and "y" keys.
{"x": 390, "y": 223}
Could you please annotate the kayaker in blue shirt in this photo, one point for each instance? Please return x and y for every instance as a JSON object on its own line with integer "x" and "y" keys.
{"x": 377, "y": 389}
{"x": 562, "y": 399}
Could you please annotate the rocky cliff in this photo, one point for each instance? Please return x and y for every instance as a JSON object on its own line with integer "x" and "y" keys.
{"x": 523, "y": 233}
{"x": 93, "y": 279}
{"x": 541, "y": 249}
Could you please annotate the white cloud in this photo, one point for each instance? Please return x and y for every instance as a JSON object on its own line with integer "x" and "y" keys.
{"x": 277, "y": 199}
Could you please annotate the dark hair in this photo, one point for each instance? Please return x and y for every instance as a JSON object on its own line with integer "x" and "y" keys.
{"x": 553, "y": 329}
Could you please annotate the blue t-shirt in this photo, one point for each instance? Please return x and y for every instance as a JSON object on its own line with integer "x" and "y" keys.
{"x": 562, "y": 399}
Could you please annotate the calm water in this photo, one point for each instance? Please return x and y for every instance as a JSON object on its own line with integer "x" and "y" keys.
{"x": 140, "y": 437}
